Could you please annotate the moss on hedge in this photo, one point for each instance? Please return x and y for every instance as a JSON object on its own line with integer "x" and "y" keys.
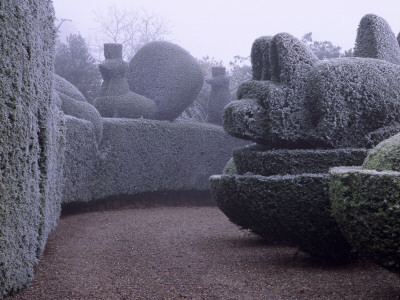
{"x": 366, "y": 205}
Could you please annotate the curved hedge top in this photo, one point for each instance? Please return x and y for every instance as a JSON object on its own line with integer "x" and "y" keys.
{"x": 73, "y": 103}
{"x": 64, "y": 86}
{"x": 385, "y": 156}
{"x": 375, "y": 39}
{"x": 260, "y": 63}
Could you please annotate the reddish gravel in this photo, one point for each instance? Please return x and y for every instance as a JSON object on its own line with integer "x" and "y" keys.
{"x": 187, "y": 253}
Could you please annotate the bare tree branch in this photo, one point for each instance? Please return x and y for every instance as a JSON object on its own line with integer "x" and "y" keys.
{"x": 130, "y": 28}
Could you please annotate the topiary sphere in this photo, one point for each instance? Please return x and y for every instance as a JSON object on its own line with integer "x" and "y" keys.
{"x": 168, "y": 75}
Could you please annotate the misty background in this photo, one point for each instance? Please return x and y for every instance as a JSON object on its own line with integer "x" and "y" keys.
{"x": 224, "y": 29}
{"x": 216, "y": 33}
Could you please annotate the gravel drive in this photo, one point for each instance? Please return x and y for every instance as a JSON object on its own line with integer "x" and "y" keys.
{"x": 187, "y": 253}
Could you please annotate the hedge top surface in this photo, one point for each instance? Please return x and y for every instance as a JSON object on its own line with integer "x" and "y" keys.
{"x": 385, "y": 156}
{"x": 375, "y": 39}
{"x": 63, "y": 86}
{"x": 353, "y": 169}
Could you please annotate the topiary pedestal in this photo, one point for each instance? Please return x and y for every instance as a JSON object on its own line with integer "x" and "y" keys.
{"x": 288, "y": 203}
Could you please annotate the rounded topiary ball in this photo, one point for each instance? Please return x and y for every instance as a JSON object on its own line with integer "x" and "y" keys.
{"x": 385, "y": 156}
{"x": 168, "y": 75}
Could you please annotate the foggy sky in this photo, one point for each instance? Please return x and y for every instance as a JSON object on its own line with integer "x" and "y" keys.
{"x": 223, "y": 29}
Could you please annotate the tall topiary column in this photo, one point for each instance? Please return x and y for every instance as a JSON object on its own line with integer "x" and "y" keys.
{"x": 220, "y": 95}
{"x": 115, "y": 100}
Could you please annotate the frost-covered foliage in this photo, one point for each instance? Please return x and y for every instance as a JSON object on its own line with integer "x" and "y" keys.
{"x": 346, "y": 102}
{"x": 220, "y": 95}
{"x": 115, "y": 100}
{"x": 349, "y": 100}
{"x": 259, "y": 160}
{"x": 141, "y": 155}
{"x": 260, "y": 62}
{"x": 375, "y": 39}
{"x": 366, "y": 205}
{"x": 168, "y": 75}
{"x": 280, "y": 190}
{"x": 73, "y": 103}
{"x": 31, "y": 139}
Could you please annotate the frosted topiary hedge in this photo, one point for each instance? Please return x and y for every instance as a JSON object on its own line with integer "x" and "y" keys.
{"x": 220, "y": 95}
{"x": 138, "y": 156}
{"x": 258, "y": 160}
{"x": 307, "y": 103}
{"x": 115, "y": 100}
{"x": 287, "y": 209}
{"x": 168, "y": 75}
{"x": 305, "y": 117}
{"x": 31, "y": 139}
{"x": 260, "y": 63}
{"x": 385, "y": 156}
{"x": 73, "y": 103}
{"x": 375, "y": 39}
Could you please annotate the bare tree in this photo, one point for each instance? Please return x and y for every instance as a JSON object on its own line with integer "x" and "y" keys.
{"x": 130, "y": 28}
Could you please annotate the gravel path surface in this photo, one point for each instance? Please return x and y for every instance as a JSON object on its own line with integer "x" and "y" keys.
{"x": 187, "y": 253}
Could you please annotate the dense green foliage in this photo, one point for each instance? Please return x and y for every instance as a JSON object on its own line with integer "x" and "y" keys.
{"x": 74, "y": 62}
{"x": 291, "y": 210}
{"x": 366, "y": 205}
{"x": 385, "y": 156}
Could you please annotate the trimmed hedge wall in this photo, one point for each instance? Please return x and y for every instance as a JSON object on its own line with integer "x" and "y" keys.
{"x": 256, "y": 160}
{"x": 292, "y": 210}
{"x": 138, "y": 155}
{"x": 31, "y": 139}
{"x": 366, "y": 205}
